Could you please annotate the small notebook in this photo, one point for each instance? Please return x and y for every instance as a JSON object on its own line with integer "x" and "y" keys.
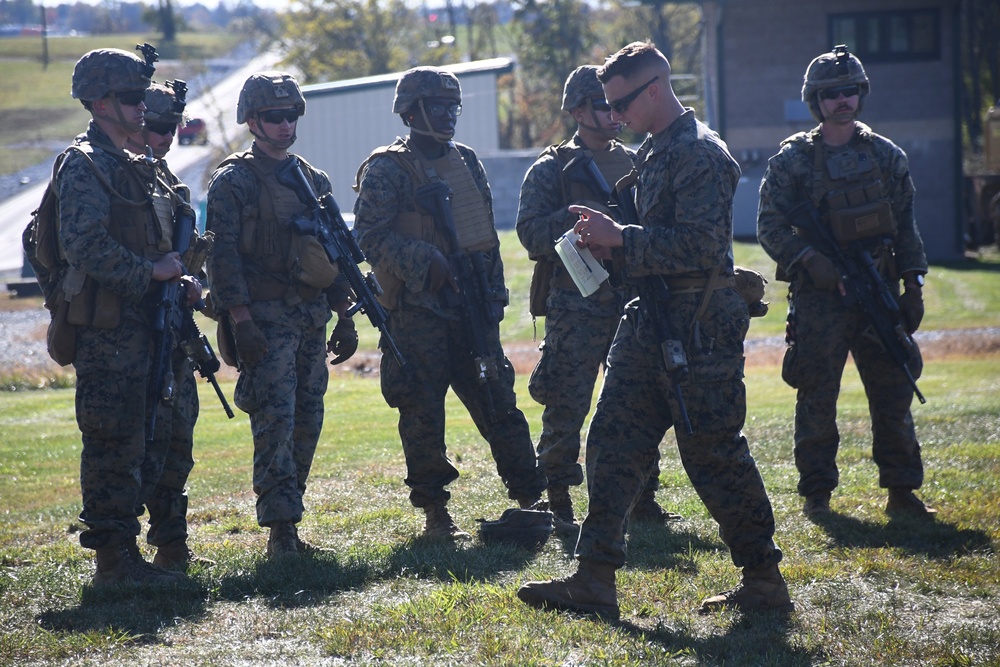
{"x": 587, "y": 272}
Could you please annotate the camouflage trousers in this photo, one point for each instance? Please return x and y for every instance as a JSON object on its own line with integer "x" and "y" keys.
{"x": 170, "y": 459}
{"x": 823, "y": 331}
{"x": 112, "y": 367}
{"x": 439, "y": 355}
{"x": 283, "y": 394}
{"x": 638, "y": 405}
{"x": 573, "y": 352}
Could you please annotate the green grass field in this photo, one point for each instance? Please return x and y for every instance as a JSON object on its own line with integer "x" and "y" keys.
{"x": 868, "y": 591}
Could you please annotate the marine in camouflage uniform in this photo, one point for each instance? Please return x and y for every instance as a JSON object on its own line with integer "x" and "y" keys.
{"x": 578, "y": 329}
{"x": 847, "y": 173}
{"x": 118, "y": 249}
{"x": 275, "y": 309}
{"x": 170, "y": 457}
{"x": 403, "y": 244}
{"x": 683, "y": 196}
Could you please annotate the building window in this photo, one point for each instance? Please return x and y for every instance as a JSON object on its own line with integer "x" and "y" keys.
{"x": 898, "y": 36}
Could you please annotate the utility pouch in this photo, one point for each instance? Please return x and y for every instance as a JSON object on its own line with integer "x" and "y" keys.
{"x": 61, "y": 336}
{"x": 867, "y": 221}
{"x": 308, "y": 262}
{"x": 541, "y": 285}
{"x": 392, "y": 289}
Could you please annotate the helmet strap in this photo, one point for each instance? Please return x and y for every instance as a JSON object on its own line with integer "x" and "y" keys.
{"x": 429, "y": 132}
{"x": 131, "y": 127}
{"x": 280, "y": 145}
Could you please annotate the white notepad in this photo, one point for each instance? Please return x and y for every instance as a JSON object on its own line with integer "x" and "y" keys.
{"x": 587, "y": 272}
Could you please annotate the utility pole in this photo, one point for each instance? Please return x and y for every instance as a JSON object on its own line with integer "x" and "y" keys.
{"x": 45, "y": 38}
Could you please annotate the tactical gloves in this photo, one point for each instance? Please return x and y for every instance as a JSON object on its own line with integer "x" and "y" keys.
{"x": 911, "y": 303}
{"x": 821, "y": 271}
{"x": 251, "y": 345}
{"x": 343, "y": 341}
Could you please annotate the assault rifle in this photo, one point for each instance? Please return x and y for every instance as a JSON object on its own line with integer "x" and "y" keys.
{"x": 327, "y": 224}
{"x": 172, "y": 314}
{"x": 864, "y": 288}
{"x": 474, "y": 295}
{"x": 653, "y": 290}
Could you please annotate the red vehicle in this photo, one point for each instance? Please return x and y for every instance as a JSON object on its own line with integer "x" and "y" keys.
{"x": 195, "y": 132}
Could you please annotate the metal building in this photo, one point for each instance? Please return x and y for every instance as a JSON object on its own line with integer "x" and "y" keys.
{"x": 346, "y": 120}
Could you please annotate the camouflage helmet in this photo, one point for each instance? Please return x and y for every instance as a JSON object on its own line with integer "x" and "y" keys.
{"x": 422, "y": 82}
{"x": 265, "y": 90}
{"x": 163, "y": 105}
{"x": 836, "y": 68}
{"x": 581, "y": 85}
{"x": 104, "y": 71}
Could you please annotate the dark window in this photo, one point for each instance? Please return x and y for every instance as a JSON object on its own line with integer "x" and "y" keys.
{"x": 904, "y": 35}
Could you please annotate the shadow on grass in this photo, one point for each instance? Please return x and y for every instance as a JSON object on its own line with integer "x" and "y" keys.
{"x": 914, "y": 535}
{"x": 665, "y": 546}
{"x": 754, "y": 638}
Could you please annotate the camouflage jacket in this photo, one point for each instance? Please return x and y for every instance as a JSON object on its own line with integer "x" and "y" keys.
{"x": 233, "y": 191}
{"x": 542, "y": 217}
{"x": 789, "y": 180}
{"x": 385, "y": 190}
{"x": 684, "y": 198}
{"x": 85, "y": 206}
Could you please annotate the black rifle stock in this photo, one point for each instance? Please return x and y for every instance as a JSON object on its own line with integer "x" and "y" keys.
{"x": 474, "y": 296}
{"x": 327, "y": 224}
{"x": 653, "y": 290}
{"x": 864, "y": 288}
{"x": 172, "y": 314}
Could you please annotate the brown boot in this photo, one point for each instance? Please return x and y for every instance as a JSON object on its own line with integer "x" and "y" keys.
{"x": 762, "y": 588}
{"x": 591, "y": 590}
{"x": 903, "y": 502}
{"x": 122, "y": 564}
{"x": 561, "y": 506}
{"x": 817, "y": 504}
{"x": 282, "y": 540}
{"x": 647, "y": 509}
{"x": 176, "y": 555}
{"x": 439, "y": 524}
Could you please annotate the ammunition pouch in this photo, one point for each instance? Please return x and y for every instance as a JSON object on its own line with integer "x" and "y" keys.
{"x": 857, "y": 223}
{"x": 541, "y": 285}
{"x": 308, "y": 262}
{"x": 60, "y": 338}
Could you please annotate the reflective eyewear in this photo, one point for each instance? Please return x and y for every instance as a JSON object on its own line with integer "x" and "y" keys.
{"x": 834, "y": 93}
{"x": 131, "y": 98}
{"x": 599, "y": 104}
{"x": 275, "y": 116}
{"x": 441, "y": 110}
{"x": 162, "y": 128}
{"x": 621, "y": 105}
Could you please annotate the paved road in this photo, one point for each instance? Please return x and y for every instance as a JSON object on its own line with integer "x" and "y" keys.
{"x": 217, "y": 105}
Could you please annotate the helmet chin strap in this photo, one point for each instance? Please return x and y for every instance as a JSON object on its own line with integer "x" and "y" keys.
{"x": 131, "y": 127}
{"x": 439, "y": 137}
{"x": 280, "y": 145}
{"x": 606, "y": 132}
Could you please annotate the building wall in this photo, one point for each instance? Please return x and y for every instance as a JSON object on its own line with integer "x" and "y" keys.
{"x": 346, "y": 120}
{"x": 764, "y": 47}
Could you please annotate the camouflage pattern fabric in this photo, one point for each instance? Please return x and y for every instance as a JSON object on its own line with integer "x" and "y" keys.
{"x": 578, "y": 329}
{"x": 684, "y": 200}
{"x": 111, "y": 364}
{"x": 433, "y": 341}
{"x": 822, "y": 330}
{"x": 283, "y": 393}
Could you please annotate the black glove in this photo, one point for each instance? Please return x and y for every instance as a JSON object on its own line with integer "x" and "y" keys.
{"x": 822, "y": 272}
{"x": 251, "y": 346}
{"x": 497, "y": 309}
{"x": 911, "y": 303}
{"x": 343, "y": 341}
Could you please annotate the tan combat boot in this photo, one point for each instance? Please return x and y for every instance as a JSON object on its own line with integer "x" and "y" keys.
{"x": 122, "y": 564}
{"x": 762, "y": 588}
{"x": 647, "y": 509}
{"x": 561, "y": 506}
{"x": 591, "y": 590}
{"x": 176, "y": 555}
{"x": 282, "y": 540}
{"x": 817, "y": 504}
{"x": 438, "y": 523}
{"x": 903, "y": 502}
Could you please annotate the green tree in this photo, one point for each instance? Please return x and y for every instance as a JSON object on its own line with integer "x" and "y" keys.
{"x": 331, "y": 40}
{"x": 980, "y": 54}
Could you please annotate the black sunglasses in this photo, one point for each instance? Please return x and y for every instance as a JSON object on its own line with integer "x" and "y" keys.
{"x": 834, "y": 93}
{"x": 621, "y": 105}
{"x": 161, "y": 128}
{"x": 132, "y": 98}
{"x": 275, "y": 116}
{"x": 599, "y": 104}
